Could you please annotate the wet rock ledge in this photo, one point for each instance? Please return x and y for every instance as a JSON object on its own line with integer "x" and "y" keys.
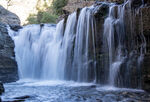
{"x": 1, "y": 90}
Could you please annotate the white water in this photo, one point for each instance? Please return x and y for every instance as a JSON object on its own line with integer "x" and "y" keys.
{"x": 116, "y": 38}
{"x": 114, "y": 20}
{"x": 84, "y": 37}
{"x": 49, "y": 52}
{"x": 67, "y": 51}
{"x": 33, "y": 47}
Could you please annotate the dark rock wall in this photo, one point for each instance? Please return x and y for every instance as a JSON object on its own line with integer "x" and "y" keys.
{"x": 8, "y": 66}
{"x": 145, "y": 27}
{"x": 137, "y": 21}
{"x": 101, "y": 57}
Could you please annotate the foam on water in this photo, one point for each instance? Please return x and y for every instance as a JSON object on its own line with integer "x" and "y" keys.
{"x": 112, "y": 88}
{"x": 30, "y": 82}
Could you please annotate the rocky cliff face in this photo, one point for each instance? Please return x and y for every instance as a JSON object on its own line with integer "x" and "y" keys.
{"x": 146, "y": 32}
{"x": 8, "y": 66}
{"x": 73, "y": 5}
{"x": 137, "y": 21}
{"x": 137, "y": 24}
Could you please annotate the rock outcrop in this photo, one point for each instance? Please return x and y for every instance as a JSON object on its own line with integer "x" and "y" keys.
{"x": 138, "y": 18}
{"x": 8, "y": 17}
{"x": 144, "y": 28}
{"x": 73, "y": 5}
{"x": 8, "y": 65}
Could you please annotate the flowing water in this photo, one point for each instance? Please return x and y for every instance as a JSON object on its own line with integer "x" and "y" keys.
{"x": 67, "y": 51}
{"x": 116, "y": 37}
{"x": 51, "y": 55}
{"x": 57, "y": 52}
{"x": 112, "y": 24}
{"x": 62, "y": 91}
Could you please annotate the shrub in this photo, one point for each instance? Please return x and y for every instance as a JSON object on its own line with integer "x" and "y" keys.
{"x": 49, "y": 15}
{"x": 58, "y": 5}
{"x": 42, "y": 17}
{"x": 32, "y": 19}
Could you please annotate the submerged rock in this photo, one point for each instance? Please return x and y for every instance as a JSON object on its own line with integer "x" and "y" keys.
{"x": 23, "y": 97}
{"x": 1, "y": 88}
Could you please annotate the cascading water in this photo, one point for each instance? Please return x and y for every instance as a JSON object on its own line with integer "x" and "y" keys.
{"x": 67, "y": 51}
{"x": 116, "y": 36}
{"x": 114, "y": 27}
{"x": 65, "y": 60}
{"x": 34, "y": 45}
{"x": 84, "y": 49}
{"x": 63, "y": 52}
{"x": 103, "y": 44}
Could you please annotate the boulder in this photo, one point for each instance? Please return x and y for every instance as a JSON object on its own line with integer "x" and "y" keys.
{"x": 8, "y": 17}
{"x": 15, "y": 27}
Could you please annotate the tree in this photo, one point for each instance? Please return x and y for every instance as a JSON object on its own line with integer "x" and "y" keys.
{"x": 8, "y": 3}
{"x": 58, "y": 5}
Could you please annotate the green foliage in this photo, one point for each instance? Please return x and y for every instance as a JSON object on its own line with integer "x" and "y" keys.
{"x": 42, "y": 17}
{"x": 49, "y": 15}
{"x": 58, "y": 5}
{"x": 32, "y": 19}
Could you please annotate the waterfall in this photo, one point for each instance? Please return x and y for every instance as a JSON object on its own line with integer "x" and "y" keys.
{"x": 57, "y": 52}
{"x": 69, "y": 49}
{"x": 68, "y": 46}
{"x": 116, "y": 36}
{"x": 34, "y": 44}
{"x": 84, "y": 52}
{"x": 114, "y": 27}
